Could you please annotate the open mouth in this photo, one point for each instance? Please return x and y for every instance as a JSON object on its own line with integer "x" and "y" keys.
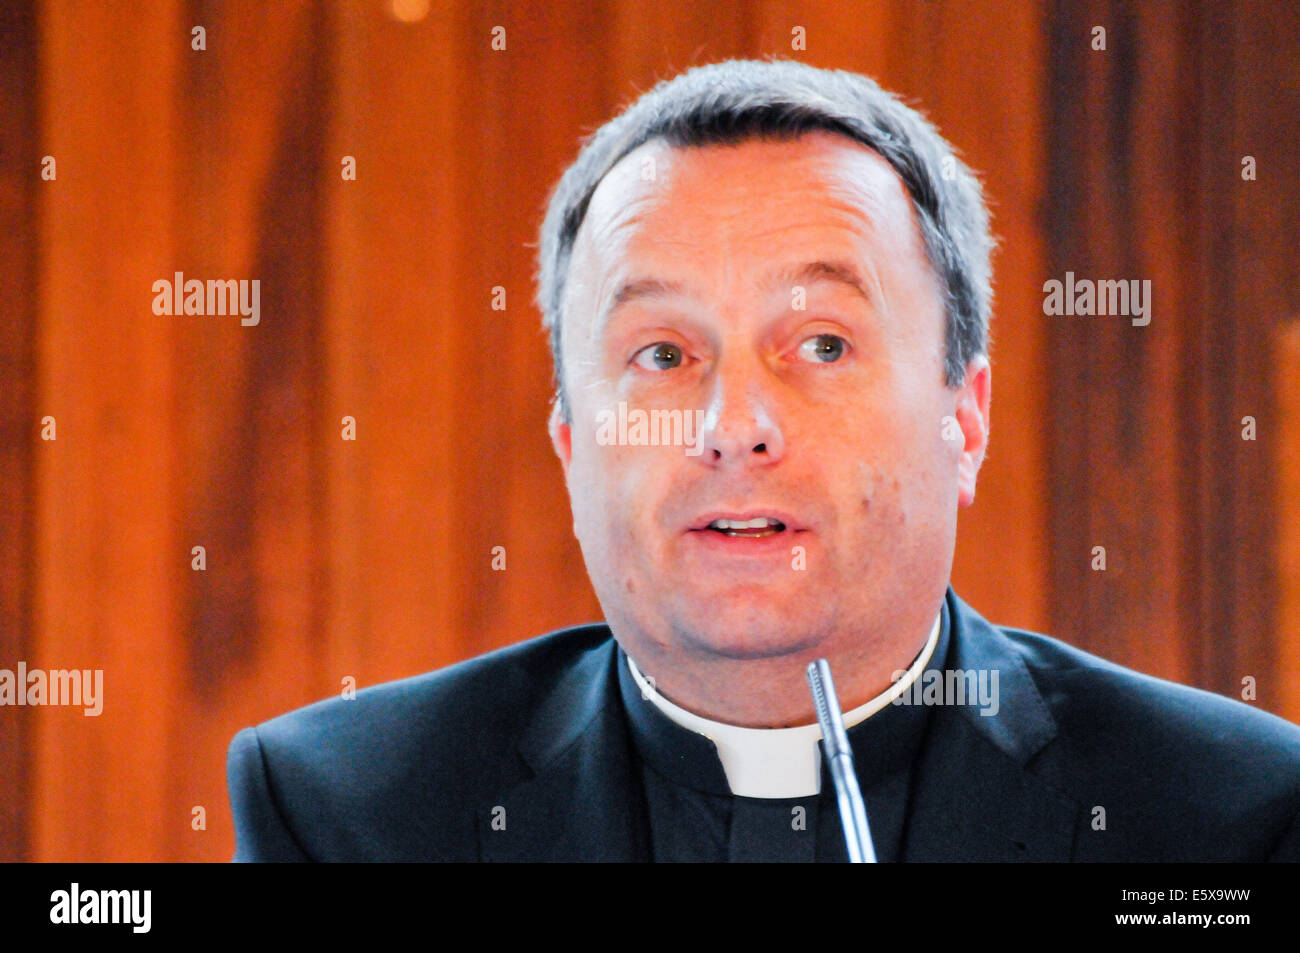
{"x": 750, "y": 529}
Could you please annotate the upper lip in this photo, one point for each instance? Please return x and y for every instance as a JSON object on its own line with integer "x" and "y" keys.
{"x": 746, "y": 513}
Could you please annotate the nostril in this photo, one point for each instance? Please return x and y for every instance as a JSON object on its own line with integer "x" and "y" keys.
{"x": 761, "y": 448}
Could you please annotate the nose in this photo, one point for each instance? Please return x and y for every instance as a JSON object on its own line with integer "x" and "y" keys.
{"x": 740, "y": 427}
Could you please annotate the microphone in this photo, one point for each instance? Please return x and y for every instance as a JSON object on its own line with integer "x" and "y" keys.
{"x": 839, "y": 757}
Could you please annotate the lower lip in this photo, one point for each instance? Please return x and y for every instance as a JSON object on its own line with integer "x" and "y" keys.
{"x": 774, "y": 543}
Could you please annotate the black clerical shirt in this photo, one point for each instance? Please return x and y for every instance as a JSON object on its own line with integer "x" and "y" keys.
{"x": 694, "y": 816}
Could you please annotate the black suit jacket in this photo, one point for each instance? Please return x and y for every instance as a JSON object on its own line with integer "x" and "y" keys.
{"x": 535, "y": 736}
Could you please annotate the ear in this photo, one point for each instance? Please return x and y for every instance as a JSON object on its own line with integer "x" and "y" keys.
{"x": 561, "y": 437}
{"x": 972, "y": 413}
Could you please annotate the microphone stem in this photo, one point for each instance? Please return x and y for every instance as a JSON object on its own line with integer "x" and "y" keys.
{"x": 839, "y": 758}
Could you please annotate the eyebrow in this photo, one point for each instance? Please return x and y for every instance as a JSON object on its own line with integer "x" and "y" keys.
{"x": 836, "y": 271}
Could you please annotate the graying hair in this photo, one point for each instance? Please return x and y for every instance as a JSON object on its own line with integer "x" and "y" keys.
{"x": 729, "y": 102}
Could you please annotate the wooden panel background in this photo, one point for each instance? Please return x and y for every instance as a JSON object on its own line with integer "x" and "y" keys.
{"x": 1146, "y": 423}
{"x": 371, "y": 558}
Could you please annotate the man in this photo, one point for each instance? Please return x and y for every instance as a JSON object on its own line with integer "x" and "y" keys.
{"x": 775, "y": 253}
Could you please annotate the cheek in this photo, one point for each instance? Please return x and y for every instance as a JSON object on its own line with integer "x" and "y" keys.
{"x": 880, "y": 496}
{"x": 866, "y": 487}
{"x": 611, "y": 490}
{"x": 902, "y": 488}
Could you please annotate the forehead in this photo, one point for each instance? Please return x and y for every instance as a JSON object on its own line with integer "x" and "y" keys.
{"x": 699, "y": 205}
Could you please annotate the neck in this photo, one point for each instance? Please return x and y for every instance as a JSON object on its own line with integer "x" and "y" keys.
{"x": 773, "y": 692}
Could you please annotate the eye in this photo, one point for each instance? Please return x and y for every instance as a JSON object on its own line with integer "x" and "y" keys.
{"x": 658, "y": 357}
{"x": 826, "y": 348}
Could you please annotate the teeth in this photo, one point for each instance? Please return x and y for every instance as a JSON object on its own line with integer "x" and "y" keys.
{"x": 758, "y": 522}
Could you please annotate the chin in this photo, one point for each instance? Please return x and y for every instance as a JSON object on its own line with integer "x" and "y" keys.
{"x": 748, "y": 632}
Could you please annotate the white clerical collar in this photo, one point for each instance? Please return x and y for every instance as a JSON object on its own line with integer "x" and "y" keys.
{"x": 777, "y": 762}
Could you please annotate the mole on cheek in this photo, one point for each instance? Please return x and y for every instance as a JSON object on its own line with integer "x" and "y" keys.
{"x": 631, "y": 586}
{"x": 866, "y": 485}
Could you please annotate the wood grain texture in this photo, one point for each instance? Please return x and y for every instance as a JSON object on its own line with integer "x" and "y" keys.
{"x": 20, "y": 409}
{"x": 1147, "y": 456}
{"x": 1283, "y": 695}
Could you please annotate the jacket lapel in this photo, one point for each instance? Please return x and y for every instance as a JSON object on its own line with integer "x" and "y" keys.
{"x": 584, "y": 800}
{"x": 973, "y": 798}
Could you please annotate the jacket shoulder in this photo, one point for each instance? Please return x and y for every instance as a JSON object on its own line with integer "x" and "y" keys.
{"x": 1175, "y": 767}
{"x": 1085, "y": 689}
{"x": 395, "y": 771}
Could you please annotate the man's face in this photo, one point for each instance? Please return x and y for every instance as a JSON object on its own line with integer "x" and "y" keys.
{"x": 781, "y": 288}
